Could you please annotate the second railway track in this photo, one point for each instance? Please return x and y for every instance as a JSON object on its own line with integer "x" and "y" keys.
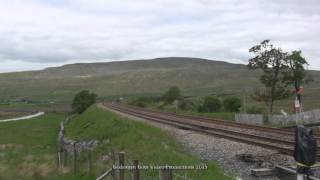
{"x": 281, "y": 140}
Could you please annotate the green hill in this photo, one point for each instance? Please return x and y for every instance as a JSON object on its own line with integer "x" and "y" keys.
{"x": 125, "y": 78}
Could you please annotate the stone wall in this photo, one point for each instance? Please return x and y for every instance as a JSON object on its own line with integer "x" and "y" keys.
{"x": 256, "y": 119}
{"x": 70, "y": 146}
{"x": 302, "y": 118}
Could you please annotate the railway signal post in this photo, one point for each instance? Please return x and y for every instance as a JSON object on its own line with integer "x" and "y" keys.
{"x": 305, "y": 151}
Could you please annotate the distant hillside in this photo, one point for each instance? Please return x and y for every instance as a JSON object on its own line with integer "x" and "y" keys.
{"x": 118, "y": 67}
{"x": 192, "y": 75}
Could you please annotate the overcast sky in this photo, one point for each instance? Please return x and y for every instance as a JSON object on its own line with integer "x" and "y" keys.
{"x": 35, "y": 34}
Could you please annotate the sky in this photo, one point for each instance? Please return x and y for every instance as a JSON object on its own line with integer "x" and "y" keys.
{"x": 35, "y": 34}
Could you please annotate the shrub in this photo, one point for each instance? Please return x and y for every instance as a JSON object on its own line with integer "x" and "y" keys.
{"x": 160, "y": 105}
{"x": 143, "y": 101}
{"x": 82, "y": 100}
{"x": 256, "y": 110}
{"x": 232, "y": 104}
{"x": 172, "y": 94}
{"x": 210, "y": 104}
{"x": 140, "y": 104}
{"x": 186, "y": 104}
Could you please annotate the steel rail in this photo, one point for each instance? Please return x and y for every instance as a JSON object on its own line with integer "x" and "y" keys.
{"x": 206, "y": 126}
{"x": 219, "y": 121}
{"x": 222, "y": 134}
{"x": 279, "y": 144}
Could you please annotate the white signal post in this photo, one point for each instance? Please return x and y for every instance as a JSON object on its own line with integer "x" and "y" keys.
{"x": 298, "y": 103}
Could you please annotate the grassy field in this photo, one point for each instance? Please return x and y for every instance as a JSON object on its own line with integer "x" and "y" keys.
{"x": 47, "y": 107}
{"x": 8, "y": 115}
{"x": 140, "y": 141}
{"x": 27, "y": 148}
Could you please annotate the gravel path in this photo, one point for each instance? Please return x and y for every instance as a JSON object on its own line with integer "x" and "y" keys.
{"x": 223, "y": 151}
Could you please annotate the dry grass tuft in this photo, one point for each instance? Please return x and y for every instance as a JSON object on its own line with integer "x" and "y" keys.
{"x": 29, "y": 157}
{"x": 44, "y": 170}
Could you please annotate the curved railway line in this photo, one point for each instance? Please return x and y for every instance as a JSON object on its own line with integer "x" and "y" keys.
{"x": 281, "y": 140}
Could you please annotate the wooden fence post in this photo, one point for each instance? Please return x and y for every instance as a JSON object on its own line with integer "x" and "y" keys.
{"x": 113, "y": 174}
{"x": 121, "y": 163}
{"x": 59, "y": 154}
{"x": 136, "y": 173}
{"x": 74, "y": 158}
{"x": 65, "y": 158}
{"x": 166, "y": 174}
{"x": 59, "y": 159}
{"x": 89, "y": 161}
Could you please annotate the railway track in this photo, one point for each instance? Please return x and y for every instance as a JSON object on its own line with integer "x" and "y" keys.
{"x": 281, "y": 140}
{"x": 282, "y": 131}
{"x": 222, "y": 122}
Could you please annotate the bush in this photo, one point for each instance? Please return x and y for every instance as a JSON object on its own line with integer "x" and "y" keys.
{"x": 172, "y": 94}
{"x": 256, "y": 110}
{"x": 143, "y": 101}
{"x": 160, "y": 105}
{"x": 186, "y": 104}
{"x": 232, "y": 104}
{"x": 140, "y": 102}
{"x": 210, "y": 104}
{"x": 82, "y": 100}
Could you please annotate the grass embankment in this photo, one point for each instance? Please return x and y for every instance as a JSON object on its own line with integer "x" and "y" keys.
{"x": 150, "y": 145}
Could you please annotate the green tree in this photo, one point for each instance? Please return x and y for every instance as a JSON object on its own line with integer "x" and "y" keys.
{"x": 232, "y": 104}
{"x": 172, "y": 94}
{"x": 210, "y": 104}
{"x": 82, "y": 100}
{"x": 296, "y": 74}
{"x": 273, "y": 62}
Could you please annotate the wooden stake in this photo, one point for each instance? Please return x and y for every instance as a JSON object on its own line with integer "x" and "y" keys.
{"x": 166, "y": 174}
{"x": 74, "y": 158}
{"x": 136, "y": 173}
{"x": 89, "y": 162}
{"x": 65, "y": 158}
{"x": 121, "y": 163}
{"x": 59, "y": 160}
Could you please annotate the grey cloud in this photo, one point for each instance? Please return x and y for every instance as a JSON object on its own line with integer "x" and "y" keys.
{"x": 69, "y": 31}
